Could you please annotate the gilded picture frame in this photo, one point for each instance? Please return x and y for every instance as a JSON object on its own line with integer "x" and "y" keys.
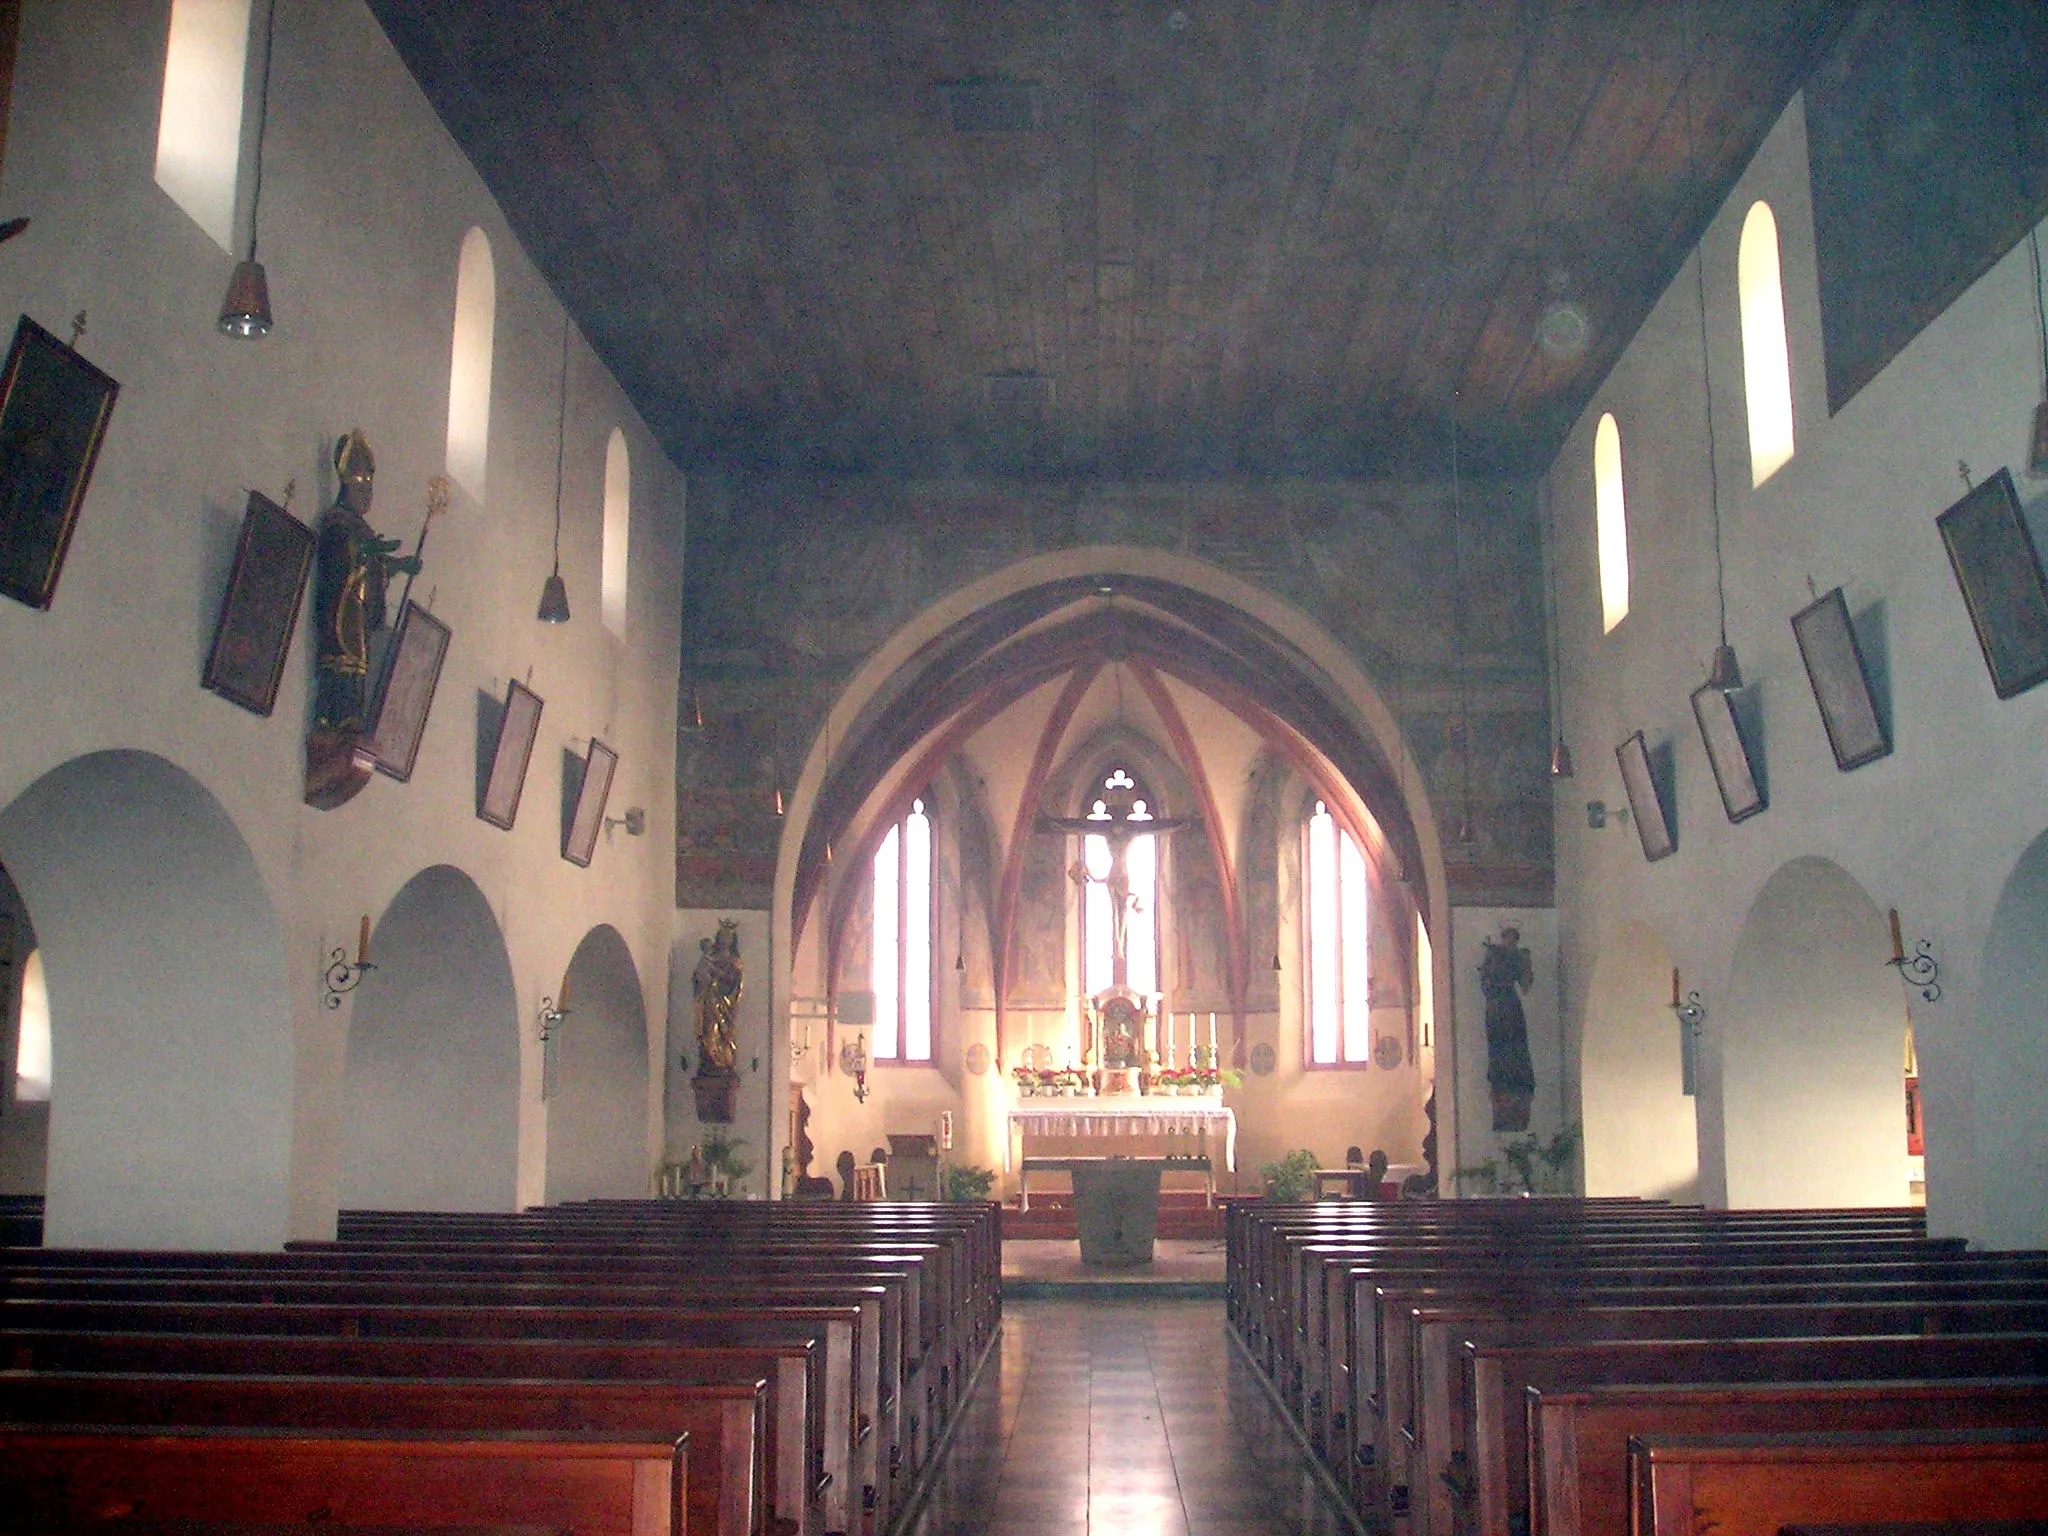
{"x": 517, "y": 729}
{"x": 579, "y": 845}
{"x": 54, "y": 409}
{"x": 259, "y": 611}
{"x": 405, "y": 692}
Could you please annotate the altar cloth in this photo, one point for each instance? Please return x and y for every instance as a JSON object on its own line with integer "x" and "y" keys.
{"x": 1131, "y": 1117}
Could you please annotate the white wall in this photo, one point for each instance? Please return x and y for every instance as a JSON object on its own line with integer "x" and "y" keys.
{"x": 597, "y": 1116}
{"x": 1641, "y": 1130}
{"x": 365, "y": 203}
{"x": 1934, "y": 828}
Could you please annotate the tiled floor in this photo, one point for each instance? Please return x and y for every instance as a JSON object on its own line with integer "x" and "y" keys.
{"x": 1181, "y": 1260}
{"x": 1122, "y": 1418}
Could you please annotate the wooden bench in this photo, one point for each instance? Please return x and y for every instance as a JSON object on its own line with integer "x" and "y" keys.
{"x": 1578, "y": 1440}
{"x": 1756, "y": 1485}
{"x": 121, "y": 1477}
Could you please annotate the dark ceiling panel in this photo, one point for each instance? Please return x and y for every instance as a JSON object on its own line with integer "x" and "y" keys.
{"x": 1234, "y": 239}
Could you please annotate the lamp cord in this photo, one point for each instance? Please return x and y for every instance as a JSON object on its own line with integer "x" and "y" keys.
{"x": 2040, "y": 303}
{"x": 1464, "y": 626}
{"x": 262, "y": 124}
{"x": 1692, "y": 59}
{"x": 561, "y": 432}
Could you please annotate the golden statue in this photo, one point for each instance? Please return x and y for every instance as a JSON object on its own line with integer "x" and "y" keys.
{"x": 717, "y": 984}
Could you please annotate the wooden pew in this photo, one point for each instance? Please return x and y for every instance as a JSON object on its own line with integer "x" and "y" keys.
{"x": 1756, "y": 1485}
{"x": 726, "y": 1421}
{"x": 1578, "y": 1440}
{"x": 121, "y": 1477}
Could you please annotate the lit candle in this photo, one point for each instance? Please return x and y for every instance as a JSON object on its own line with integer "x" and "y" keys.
{"x": 1898, "y": 943}
{"x": 1169, "y": 1040}
{"x": 363, "y": 941}
{"x": 1674, "y": 986}
{"x": 1212, "y": 1037}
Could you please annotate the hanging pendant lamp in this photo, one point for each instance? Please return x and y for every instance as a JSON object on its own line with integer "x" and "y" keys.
{"x": 1466, "y": 834}
{"x": 1724, "y": 672}
{"x": 554, "y": 592}
{"x": 245, "y": 312}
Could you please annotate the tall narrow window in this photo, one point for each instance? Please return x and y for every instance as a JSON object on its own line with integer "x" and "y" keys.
{"x": 903, "y": 941}
{"x": 469, "y": 366}
{"x": 618, "y": 527}
{"x": 1611, "y": 523}
{"x": 1766, "y": 361}
{"x": 1120, "y": 900}
{"x": 199, "y": 127}
{"x": 1334, "y": 891}
{"x": 32, "y": 1052}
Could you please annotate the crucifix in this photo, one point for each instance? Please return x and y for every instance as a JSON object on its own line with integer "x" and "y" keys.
{"x": 1118, "y": 815}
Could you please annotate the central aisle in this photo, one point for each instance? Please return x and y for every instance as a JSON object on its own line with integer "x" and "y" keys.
{"x": 1122, "y": 1418}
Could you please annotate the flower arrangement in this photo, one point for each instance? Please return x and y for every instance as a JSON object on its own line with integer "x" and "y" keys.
{"x": 1174, "y": 1080}
{"x": 1048, "y": 1083}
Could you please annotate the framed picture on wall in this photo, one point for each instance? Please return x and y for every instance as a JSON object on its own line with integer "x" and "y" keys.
{"x": 1727, "y": 752}
{"x": 1841, "y": 681}
{"x": 588, "y": 820}
{"x": 412, "y": 671}
{"x": 54, "y": 408}
{"x": 517, "y": 729}
{"x": 1646, "y": 806}
{"x": 1999, "y": 571}
{"x": 260, "y": 609}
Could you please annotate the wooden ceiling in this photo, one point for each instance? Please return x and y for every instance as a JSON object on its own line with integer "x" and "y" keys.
{"x": 1125, "y": 238}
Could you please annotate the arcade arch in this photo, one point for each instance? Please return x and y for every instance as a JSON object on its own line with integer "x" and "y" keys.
{"x": 598, "y": 1113}
{"x": 430, "y": 1092}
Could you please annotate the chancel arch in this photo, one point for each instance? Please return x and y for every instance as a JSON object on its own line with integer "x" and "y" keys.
{"x": 598, "y": 1104}
{"x": 1640, "y": 1124}
{"x": 1812, "y": 1047}
{"x": 430, "y": 1092}
{"x": 171, "y": 1042}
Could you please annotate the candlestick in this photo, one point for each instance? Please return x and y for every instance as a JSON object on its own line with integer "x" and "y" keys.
{"x": 1212, "y": 1037}
{"x": 1898, "y": 942}
{"x": 1169, "y": 1041}
{"x": 1674, "y": 986}
{"x": 363, "y": 939}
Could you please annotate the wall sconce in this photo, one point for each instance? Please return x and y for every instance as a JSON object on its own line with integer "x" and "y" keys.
{"x": 1692, "y": 1024}
{"x": 553, "y": 1010}
{"x": 342, "y": 978}
{"x": 1919, "y": 970}
{"x": 853, "y": 1061}
{"x": 1598, "y": 815}
{"x": 634, "y": 821}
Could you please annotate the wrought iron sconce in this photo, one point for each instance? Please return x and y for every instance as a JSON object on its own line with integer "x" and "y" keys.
{"x": 551, "y": 1014}
{"x": 634, "y": 821}
{"x": 341, "y": 976}
{"x": 853, "y": 1060}
{"x": 1692, "y": 1024}
{"x": 1919, "y": 970}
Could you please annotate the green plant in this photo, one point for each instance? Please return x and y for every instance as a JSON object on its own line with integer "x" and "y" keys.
{"x": 1535, "y": 1167}
{"x": 723, "y": 1155}
{"x": 964, "y": 1181}
{"x": 1293, "y": 1177}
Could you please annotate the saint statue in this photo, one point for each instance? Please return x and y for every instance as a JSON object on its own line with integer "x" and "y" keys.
{"x": 716, "y": 984}
{"x": 352, "y": 567}
{"x": 1504, "y": 975}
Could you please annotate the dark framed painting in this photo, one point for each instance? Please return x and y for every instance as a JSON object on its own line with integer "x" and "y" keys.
{"x": 1999, "y": 571}
{"x": 1645, "y": 805}
{"x": 1728, "y": 754}
{"x": 405, "y": 696}
{"x": 517, "y": 728}
{"x": 54, "y": 408}
{"x": 588, "y": 820}
{"x": 1841, "y": 681}
{"x": 260, "y": 609}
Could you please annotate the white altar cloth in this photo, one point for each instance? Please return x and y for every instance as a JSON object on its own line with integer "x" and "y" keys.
{"x": 1126, "y": 1117}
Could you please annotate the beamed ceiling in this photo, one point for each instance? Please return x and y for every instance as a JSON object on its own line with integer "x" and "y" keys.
{"x": 1267, "y": 237}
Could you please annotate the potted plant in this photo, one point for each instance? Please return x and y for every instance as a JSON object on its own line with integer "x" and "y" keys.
{"x": 1027, "y": 1082}
{"x": 724, "y": 1161}
{"x": 964, "y": 1181}
{"x": 1292, "y": 1178}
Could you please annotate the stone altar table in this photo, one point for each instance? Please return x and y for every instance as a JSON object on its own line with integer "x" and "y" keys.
{"x": 1196, "y": 1120}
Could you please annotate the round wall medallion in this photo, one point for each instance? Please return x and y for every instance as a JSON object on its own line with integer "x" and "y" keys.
{"x": 977, "y": 1058}
{"x": 1262, "y": 1061}
{"x": 1386, "y": 1051}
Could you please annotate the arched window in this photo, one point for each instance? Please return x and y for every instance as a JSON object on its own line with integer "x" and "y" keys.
{"x": 32, "y": 1048}
{"x": 618, "y": 525}
{"x": 1766, "y": 362}
{"x": 903, "y": 941}
{"x": 199, "y": 126}
{"x": 1611, "y": 523}
{"x": 1334, "y": 898}
{"x": 469, "y": 365}
{"x": 1120, "y": 899}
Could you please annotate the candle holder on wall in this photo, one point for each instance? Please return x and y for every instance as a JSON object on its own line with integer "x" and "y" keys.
{"x": 1692, "y": 1024}
{"x": 1920, "y": 971}
{"x": 342, "y": 975}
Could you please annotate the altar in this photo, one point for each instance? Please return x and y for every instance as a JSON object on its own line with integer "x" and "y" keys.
{"x": 1190, "y": 1129}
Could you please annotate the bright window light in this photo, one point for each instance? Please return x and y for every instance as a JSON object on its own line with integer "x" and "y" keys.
{"x": 618, "y": 524}
{"x": 888, "y": 858}
{"x": 1098, "y": 946}
{"x": 1766, "y": 361}
{"x": 32, "y": 1054}
{"x": 1339, "y": 977}
{"x": 902, "y": 963}
{"x": 1611, "y": 521}
{"x": 469, "y": 367}
{"x": 1141, "y": 861}
{"x": 199, "y": 129}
